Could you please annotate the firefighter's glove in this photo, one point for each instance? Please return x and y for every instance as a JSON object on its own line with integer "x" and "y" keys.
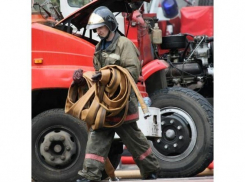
{"x": 96, "y": 77}
{"x": 78, "y": 78}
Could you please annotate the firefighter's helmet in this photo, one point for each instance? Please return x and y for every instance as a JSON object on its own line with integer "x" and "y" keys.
{"x": 102, "y": 16}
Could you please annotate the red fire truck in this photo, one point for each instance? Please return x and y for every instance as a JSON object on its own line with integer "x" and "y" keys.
{"x": 176, "y": 79}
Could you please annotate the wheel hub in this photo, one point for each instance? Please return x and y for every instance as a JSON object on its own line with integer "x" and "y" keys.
{"x": 58, "y": 148}
{"x": 178, "y": 135}
{"x": 170, "y": 134}
{"x": 175, "y": 135}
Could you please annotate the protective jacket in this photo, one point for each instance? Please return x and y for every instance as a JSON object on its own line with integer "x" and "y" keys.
{"x": 121, "y": 52}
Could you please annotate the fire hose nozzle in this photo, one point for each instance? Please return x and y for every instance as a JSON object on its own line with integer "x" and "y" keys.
{"x": 146, "y": 115}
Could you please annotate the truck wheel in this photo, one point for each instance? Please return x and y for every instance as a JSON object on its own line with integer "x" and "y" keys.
{"x": 186, "y": 146}
{"x": 205, "y": 3}
{"x": 58, "y": 146}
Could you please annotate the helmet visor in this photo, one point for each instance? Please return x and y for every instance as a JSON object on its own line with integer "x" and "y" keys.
{"x": 95, "y": 21}
{"x": 94, "y": 26}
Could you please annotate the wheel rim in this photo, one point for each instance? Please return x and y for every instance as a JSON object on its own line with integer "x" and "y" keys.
{"x": 179, "y": 135}
{"x": 57, "y": 147}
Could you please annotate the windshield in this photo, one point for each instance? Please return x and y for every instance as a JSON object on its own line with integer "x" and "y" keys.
{"x": 47, "y": 8}
{"x": 77, "y": 3}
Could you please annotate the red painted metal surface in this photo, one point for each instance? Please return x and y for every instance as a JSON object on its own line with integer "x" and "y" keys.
{"x": 141, "y": 86}
{"x": 211, "y": 165}
{"x": 131, "y": 32}
{"x": 163, "y": 25}
{"x": 61, "y": 54}
{"x": 127, "y": 160}
{"x": 197, "y": 20}
{"x": 144, "y": 41}
{"x": 153, "y": 67}
{"x": 60, "y": 48}
{"x": 54, "y": 76}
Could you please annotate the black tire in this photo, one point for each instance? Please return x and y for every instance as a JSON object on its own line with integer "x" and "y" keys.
{"x": 205, "y": 3}
{"x": 53, "y": 123}
{"x": 186, "y": 146}
{"x": 47, "y": 129}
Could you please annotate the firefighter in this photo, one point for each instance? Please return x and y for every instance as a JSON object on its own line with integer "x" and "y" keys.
{"x": 114, "y": 49}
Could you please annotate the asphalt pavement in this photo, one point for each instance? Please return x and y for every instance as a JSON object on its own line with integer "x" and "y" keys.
{"x": 131, "y": 173}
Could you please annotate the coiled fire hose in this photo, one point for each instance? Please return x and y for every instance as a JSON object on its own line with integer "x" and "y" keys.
{"x": 106, "y": 98}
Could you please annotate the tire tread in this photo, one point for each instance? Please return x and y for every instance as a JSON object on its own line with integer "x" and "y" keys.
{"x": 209, "y": 112}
